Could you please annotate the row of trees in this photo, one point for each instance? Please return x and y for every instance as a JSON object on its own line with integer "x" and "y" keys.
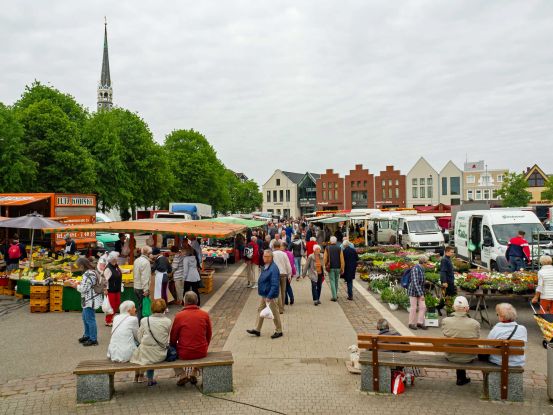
{"x": 51, "y": 143}
{"x": 514, "y": 194}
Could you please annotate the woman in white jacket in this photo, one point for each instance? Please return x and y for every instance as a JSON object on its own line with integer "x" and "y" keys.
{"x": 191, "y": 272}
{"x": 124, "y": 334}
{"x": 544, "y": 290}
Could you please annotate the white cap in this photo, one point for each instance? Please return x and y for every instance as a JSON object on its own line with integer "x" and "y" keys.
{"x": 460, "y": 302}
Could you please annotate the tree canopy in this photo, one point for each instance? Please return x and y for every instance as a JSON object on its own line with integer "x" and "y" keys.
{"x": 513, "y": 190}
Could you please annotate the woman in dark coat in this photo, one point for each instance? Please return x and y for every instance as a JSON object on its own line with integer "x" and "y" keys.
{"x": 350, "y": 266}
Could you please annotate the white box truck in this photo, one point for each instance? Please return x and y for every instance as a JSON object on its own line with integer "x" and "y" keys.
{"x": 481, "y": 236}
{"x": 195, "y": 210}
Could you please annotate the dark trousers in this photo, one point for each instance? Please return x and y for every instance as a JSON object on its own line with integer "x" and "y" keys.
{"x": 193, "y": 286}
{"x": 289, "y": 293}
{"x": 461, "y": 374}
{"x": 139, "y": 297}
{"x": 349, "y": 283}
{"x": 516, "y": 263}
{"x": 316, "y": 288}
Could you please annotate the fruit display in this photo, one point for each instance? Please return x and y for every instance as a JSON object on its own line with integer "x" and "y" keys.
{"x": 212, "y": 252}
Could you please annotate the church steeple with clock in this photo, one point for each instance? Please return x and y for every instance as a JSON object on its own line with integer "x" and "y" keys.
{"x": 105, "y": 92}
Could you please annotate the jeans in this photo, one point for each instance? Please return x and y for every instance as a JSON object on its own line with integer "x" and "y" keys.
{"x": 289, "y": 293}
{"x": 150, "y": 374}
{"x": 297, "y": 261}
{"x": 516, "y": 264}
{"x": 316, "y": 287}
{"x": 193, "y": 286}
{"x": 334, "y": 275}
{"x": 89, "y": 321}
{"x": 349, "y": 282}
{"x": 139, "y": 298}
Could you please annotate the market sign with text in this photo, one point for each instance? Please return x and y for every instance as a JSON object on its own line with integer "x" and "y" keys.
{"x": 76, "y": 200}
{"x": 79, "y": 237}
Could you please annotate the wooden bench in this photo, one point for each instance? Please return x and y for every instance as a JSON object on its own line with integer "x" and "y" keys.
{"x": 500, "y": 382}
{"x": 95, "y": 377}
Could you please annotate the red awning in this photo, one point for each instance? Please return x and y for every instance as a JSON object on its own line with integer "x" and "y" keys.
{"x": 20, "y": 200}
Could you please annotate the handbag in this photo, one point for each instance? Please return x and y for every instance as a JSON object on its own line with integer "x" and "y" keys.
{"x": 171, "y": 350}
{"x": 146, "y": 307}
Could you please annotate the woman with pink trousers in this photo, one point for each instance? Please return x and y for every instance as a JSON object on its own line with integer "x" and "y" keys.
{"x": 416, "y": 295}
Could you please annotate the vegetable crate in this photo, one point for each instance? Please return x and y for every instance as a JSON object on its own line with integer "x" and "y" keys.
{"x": 56, "y": 293}
{"x": 39, "y": 309}
{"x": 40, "y": 292}
{"x": 207, "y": 280}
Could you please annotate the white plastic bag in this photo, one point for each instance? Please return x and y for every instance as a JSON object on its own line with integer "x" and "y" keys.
{"x": 267, "y": 313}
{"x": 106, "y": 306}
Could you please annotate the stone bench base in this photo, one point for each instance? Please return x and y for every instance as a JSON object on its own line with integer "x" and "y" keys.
{"x": 491, "y": 385}
{"x": 100, "y": 387}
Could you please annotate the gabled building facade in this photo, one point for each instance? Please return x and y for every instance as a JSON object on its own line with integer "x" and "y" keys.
{"x": 451, "y": 184}
{"x": 330, "y": 191}
{"x": 537, "y": 180}
{"x": 389, "y": 189}
{"x": 359, "y": 188}
{"x": 422, "y": 185}
{"x": 280, "y": 194}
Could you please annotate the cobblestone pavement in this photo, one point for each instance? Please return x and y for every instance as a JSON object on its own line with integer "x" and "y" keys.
{"x": 302, "y": 372}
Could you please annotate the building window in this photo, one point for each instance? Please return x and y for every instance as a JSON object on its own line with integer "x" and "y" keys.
{"x": 486, "y": 180}
{"x": 479, "y": 195}
{"x": 470, "y": 195}
{"x": 324, "y": 185}
{"x": 390, "y": 194}
{"x": 397, "y": 192}
{"x": 422, "y": 181}
{"x": 281, "y": 195}
{"x": 383, "y": 194}
{"x": 415, "y": 182}
{"x": 422, "y": 193}
{"x": 278, "y": 182}
{"x": 415, "y": 191}
{"x": 359, "y": 183}
{"x": 535, "y": 180}
{"x": 486, "y": 194}
{"x": 471, "y": 179}
{"x": 324, "y": 194}
{"x": 336, "y": 195}
{"x": 455, "y": 186}
{"x": 444, "y": 186}
{"x": 397, "y": 182}
{"x": 287, "y": 195}
{"x": 268, "y": 196}
{"x": 274, "y": 196}
{"x": 499, "y": 178}
{"x": 278, "y": 212}
{"x": 494, "y": 194}
{"x": 390, "y": 182}
{"x": 359, "y": 198}
{"x": 352, "y": 184}
{"x": 429, "y": 181}
{"x": 429, "y": 192}
{"x": 383, "y": 183}
{"x": 364, "y": 183}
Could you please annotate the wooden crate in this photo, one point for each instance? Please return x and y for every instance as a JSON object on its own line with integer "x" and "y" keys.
{"x": 208, "y": 285}
{"x": 9, "y": 292}
{"x": 56, "y": 307}
{"x": 19, "y": 296}
{"x": 40, "y": 309}
{"x": 1, "y": 290}
{"x": 39, "y": 302}
{"x": 40, "y": 289}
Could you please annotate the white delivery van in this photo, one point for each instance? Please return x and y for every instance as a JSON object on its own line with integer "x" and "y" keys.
{"x": 481, "y": 236}
{"x": 383, "y": 227}
{"x": 419, "y": 231}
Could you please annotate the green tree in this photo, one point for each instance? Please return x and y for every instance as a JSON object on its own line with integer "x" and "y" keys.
{"x": 513, "y": 190}
{"x": 16, "y": 170}
{"x": 37, "y": 92}
{"x": 52, "y": 142}
{"x": 249, "y": 197}
{"x": 547, "y": 194}
{"x": 199, "y": 175}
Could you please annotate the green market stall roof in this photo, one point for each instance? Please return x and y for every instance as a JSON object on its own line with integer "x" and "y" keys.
{"x": 249, "y": 223}
{"x": 334, "y": 219}
{"x": 191, "y": 228}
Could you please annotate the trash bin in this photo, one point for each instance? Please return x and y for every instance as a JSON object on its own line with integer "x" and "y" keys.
{"x": 550, "y": 370}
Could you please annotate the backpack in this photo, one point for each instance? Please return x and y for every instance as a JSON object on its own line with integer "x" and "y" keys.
{"x": 406, "y": 278}
{"x": 248, "y": 252}
{"x": 14, "y": 252}
{"x": 101, "y": 283}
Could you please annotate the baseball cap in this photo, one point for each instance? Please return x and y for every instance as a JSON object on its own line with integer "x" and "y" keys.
{"x": 460, "y": 302}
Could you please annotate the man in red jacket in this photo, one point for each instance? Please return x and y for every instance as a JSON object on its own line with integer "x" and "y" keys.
{"x": 190, "y": 334}
{"x": 251, "y": 256}
{"x": 518, "y": 252}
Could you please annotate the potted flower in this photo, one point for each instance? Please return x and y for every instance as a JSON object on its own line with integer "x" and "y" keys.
{"x": 431, "y": 302}
{"x": 387, "y": 295}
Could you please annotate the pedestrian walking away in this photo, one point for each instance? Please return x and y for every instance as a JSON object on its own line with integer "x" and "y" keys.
{"x": 268, "y": 290}
{"x": 350, "y": 265}
{"x": 280, "y": 258}
{"x": 314, "y": 269}
{"x": 298, "y": 249}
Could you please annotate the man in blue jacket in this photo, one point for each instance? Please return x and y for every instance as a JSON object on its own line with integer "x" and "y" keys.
{"x": 268, "y": 286}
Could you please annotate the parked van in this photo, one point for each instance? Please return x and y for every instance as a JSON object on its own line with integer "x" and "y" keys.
{"x": 419, "y": 231}
{"x": 481, "y": 236}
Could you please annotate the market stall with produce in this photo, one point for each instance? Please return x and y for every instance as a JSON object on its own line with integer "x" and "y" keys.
{"x": 58, "y": 274}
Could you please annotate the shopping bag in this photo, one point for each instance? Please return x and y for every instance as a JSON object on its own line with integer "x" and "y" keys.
{"x": 267, "y": 313}
{"x": 106, "y": 306}
{"x": 146, "y": 307}
{"x": 398, "y": 385}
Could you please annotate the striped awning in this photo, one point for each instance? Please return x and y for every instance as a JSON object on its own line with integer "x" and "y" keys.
{"x": 191, "y": 228}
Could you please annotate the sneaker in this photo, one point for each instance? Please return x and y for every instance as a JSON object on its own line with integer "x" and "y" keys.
{"x": 463, "y": 381}
{"x": 413, "y": 326}
{"x": 276, "y": 335}
{"x": 318, "y": 302}
{"x": 254, "y": 286}
{"x": 254, "y": 332}
{"x": 248, "y": 285}
{"x": 315, "y": 303}
{"x": 83, "y": 339}
{"x": 422, "y": 327}
{"x": 90, "y": 343}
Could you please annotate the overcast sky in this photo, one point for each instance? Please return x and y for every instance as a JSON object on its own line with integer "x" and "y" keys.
{"x": 307, "y": 85}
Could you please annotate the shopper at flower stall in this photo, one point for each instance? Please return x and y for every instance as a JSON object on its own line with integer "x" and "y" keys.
{"x": 447, "y": 277}
{"x": 544, "y": 290}
{"x": 90, "y": 301}
{"x": 415, "y": 290}
{"x": 508, "y": 329}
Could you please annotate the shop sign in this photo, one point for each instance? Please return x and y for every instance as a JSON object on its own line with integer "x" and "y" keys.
{"x": 75, "y": 200}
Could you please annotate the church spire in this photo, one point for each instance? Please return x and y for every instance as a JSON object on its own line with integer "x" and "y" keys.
{"x": 105, "y": 92}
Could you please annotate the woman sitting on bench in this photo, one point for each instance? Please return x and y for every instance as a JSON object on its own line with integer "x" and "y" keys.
{"x": 508, "y": 329}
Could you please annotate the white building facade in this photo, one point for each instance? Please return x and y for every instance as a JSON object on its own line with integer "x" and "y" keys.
{"x": 481, "y": 183}
{"x": 280, "y": 194}
{"x": 451, "y": 184}
{"x": 422, "y": 185}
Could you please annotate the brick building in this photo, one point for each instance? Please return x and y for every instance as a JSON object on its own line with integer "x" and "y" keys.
{"x": 359, "y": 187}
{"x": 390, "y": 189}
{"x": 330, "y": 191}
